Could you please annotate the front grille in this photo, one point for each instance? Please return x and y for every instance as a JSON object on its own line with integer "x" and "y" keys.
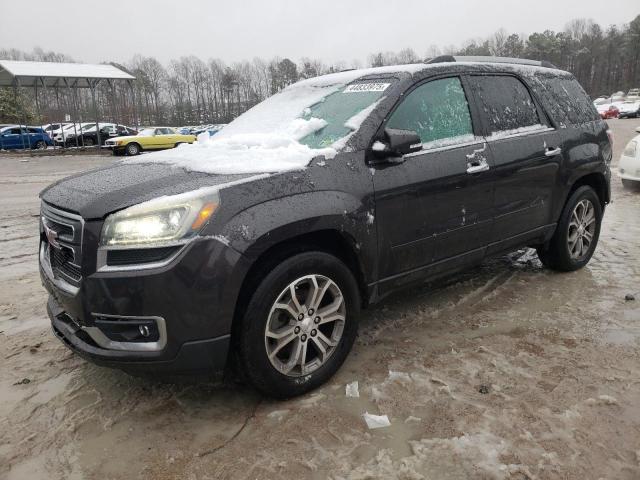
{"x": 61, "y": 232}
{"x": 61, "y": 262}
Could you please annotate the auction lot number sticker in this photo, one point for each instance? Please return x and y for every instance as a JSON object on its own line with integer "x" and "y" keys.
{"x": 366, "y": 87}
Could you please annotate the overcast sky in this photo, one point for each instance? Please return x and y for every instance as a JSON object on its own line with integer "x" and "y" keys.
{"x": 235, "y": 30}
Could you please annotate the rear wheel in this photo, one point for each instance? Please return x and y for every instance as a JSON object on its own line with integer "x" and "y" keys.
{"x": 132, "y": 149}
{"x": 577, "y": 233}
{"x": 299, "y": 325}
{"x": 40, "y": 145}
{"x": 88, "y": 142}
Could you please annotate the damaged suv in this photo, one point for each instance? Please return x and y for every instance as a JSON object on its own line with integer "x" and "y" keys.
{"x": 260, "y": 246}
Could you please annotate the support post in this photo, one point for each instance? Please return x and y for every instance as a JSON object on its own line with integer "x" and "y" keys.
{"x": 93, "y": 86}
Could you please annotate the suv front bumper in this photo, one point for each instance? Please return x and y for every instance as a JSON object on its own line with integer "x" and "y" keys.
{"x": 191, "y": 301}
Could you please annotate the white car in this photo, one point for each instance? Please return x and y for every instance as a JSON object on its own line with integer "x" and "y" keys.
{"x": 70, "y": 131}
{"x": 629, "y": 167}
{"x": 629, "y": 109}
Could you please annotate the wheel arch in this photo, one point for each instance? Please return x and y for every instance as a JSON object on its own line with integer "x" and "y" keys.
{"x": 595, "y": 180}
{"x": 338, "y": 243}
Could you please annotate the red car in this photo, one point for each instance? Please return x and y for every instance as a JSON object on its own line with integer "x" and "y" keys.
{"x": 611, "y": 112}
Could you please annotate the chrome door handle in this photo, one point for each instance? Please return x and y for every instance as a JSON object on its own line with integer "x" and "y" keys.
{"x": 477, "y": 166}
{"x": 552, "y": 152}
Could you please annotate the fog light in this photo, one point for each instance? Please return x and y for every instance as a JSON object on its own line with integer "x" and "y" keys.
{"x": 128, "y": 329}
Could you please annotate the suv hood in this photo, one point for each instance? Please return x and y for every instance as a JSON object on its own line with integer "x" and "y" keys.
{"x": 97, "y": 193}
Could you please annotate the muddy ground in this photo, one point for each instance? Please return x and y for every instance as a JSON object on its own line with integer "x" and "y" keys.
{"x": 507, "y": 371}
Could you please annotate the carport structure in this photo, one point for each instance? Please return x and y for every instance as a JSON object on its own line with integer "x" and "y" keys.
{"x": 41, "y": 76}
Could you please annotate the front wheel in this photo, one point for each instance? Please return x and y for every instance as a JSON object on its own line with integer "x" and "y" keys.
{"x": 132, "y": 149}
{"x": 577, "y": 232}
{"x": 40, "y": 145}
{"x": 299, "y": 325}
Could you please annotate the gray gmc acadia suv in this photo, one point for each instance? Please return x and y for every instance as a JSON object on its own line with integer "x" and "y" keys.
{"x": 411, "y": 172}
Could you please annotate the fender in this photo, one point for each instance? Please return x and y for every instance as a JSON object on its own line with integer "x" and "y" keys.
{"x": 253, "y": 231}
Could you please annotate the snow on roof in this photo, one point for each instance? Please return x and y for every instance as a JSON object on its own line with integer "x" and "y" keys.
{"x": 346, "y": 76}
{"x": 52, "y": 73}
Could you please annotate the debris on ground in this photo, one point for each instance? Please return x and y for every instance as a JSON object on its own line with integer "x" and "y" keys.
{"x": 352, "y": 390}
{"x": 376, "y": 421}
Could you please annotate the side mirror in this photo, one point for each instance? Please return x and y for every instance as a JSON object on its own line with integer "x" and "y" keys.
{"x": 401, "y": 142}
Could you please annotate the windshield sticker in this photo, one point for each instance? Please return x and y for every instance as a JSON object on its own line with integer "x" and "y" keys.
{"x": 366, "y": 87}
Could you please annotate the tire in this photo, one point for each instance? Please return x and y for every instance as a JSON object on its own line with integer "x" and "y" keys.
{"x": 88, "y": 142}
{"x": 629, "y": 184}
{"x": 132, "y": 149}
{"x": 253, "y": 344}
{"x": 40, "y": 145}
{"x": 563, "y": 253}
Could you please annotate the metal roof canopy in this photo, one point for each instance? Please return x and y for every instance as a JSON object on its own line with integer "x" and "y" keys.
{"x": 50, "y": 74}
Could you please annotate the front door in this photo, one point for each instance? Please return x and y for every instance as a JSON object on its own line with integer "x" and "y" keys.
{"x": 435, "y": 205}
{"x": 526, "y": 153}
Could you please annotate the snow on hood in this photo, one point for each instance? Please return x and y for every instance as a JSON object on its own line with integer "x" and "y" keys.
{"x": 265, "y": 139}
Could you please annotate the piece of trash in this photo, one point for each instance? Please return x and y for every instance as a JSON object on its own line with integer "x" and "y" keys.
{"x": 411, "y": 418}
{"x": 629, "y": 297}
{"x": 376, "y": 421}
{"x": 484, "y": 389}
{"x": 278, "y": 414}
{"x": 24, "y": 381}
{"x": 352, "y": 390}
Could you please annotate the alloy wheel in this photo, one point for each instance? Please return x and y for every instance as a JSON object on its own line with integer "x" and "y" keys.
{"x": 305, "y": 325}
{"x": 582, "y": 228}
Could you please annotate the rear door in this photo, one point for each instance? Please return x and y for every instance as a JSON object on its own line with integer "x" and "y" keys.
{"x": 527, "y": 158}
{"x": 433, "y": 206}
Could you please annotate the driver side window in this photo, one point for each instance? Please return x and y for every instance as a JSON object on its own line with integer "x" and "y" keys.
{"x": 437, "y": 111}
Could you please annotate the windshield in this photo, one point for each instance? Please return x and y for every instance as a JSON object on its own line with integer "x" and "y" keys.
{"x": 338, "y": 111}
{"x": 311, "y": 119}
{"x": 313, "y": 115}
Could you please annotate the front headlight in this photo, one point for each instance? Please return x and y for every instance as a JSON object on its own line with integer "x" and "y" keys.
{"x": 162, "y": 221}
{"x": 630, "y": 150}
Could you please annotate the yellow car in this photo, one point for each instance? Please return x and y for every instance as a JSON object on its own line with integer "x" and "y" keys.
{"x": 153, "y": 138}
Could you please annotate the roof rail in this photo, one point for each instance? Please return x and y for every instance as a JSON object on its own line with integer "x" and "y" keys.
{"x": 482, "y": 59}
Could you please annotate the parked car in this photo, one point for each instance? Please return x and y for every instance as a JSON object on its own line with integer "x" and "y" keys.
{"x": 263, "y": 245}
{"x": 629, "y": 109}
{"x": 629, "y": 165}
{"x": 50, "y": 128}
{"x": 634, "y": 92}
{"x": 211, "y": 129}
{"x": 607, "y": 111}
{"x": 89, "y": 138}
{"x": 70, "y": 132}
{"x": 16, "y": 137}
{"x": 153, "y": 138}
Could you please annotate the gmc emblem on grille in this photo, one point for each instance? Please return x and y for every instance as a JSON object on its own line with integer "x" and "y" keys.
{"x": 52, "y": 236}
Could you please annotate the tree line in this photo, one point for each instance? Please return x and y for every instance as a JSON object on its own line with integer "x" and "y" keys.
{"x": 190, "y": 91}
